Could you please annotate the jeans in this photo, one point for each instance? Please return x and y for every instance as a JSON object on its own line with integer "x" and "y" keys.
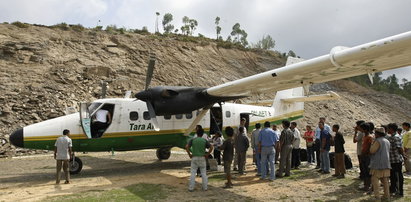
{"x": 310, "y": 155}
{"x": 198, "y": 162}
{"x": 267, "y": 153}
{"x": 325, "y": 161}
{"x": 258, "y": 161}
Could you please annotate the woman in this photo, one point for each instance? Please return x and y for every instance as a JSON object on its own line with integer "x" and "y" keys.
{"x": 309, "y": 140}
{"x": 380, "y": 162}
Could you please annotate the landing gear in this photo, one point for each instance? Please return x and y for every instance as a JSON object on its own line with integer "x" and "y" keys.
{"x": 75, "y": 166}
{"x": 163, "y": 153}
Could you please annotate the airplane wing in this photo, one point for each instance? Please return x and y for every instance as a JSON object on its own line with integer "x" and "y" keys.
{"x": 342, "y": 62}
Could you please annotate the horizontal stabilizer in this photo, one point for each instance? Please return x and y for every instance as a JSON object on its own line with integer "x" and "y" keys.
{"x": 329, "y": 96}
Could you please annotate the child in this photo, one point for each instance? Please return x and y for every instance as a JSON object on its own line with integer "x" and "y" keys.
{"x": 217, "y": 142}
{"x": 228, "y": 152}
{"x": 339, "y": 163}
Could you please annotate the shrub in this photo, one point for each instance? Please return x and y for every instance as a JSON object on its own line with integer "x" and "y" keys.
{"x": 20, "y": 24}
{"x": 98, "y": 28}
{"x": 62, "y": 26}
{"x": 111, "y": 28}
{"x": 77, "y": 28}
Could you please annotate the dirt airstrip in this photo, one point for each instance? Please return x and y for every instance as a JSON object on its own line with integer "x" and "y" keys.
{"x": 32, "y": 179}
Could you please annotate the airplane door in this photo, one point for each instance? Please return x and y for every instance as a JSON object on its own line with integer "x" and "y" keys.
{"x": 85, "y": 119}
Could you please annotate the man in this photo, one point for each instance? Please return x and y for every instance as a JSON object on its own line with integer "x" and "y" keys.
{"x": 228, "y": 152}
{"x": 198, "y": 157}
{"x": 406, "y": 138}
{"x": 254, "y": 145}
{"x": 267, "y": 141}
{"x": 317, "y": 145}
{"x": 295, "y": 157}
{"x": 396, "y": 159}
{"x": 241, "y": 147}
{"x": 286, "y": 147}
{"x": 63, "y": 154}
{"x": 277, "y": 149}
{"x": 358, "y": 135}
{"x": 242, "y": 124}
{"x": 325, "y": 143}
{"x": 102, "y": 121}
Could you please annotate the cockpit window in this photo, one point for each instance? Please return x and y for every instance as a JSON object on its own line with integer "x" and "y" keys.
{"x": 146, "y": 115}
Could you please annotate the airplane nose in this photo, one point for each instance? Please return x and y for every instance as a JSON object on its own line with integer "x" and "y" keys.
{"x": 16, "y": 138}
{"x": 143, "y": 95}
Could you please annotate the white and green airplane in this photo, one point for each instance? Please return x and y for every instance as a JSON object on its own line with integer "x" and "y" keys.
{"x": 164, "y": 117}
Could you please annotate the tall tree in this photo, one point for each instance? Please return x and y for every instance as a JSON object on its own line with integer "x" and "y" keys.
{"x": 157, "y": 14}
{"x": 185, "y": 29}
{"x": 240, "y": 35}
{"x": 167, "y": 18}
{"x": 193, "y": 26}
{"x": 217, "y": 28}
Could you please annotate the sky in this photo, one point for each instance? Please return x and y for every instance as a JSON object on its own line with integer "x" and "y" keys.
{"x": 309, "y": 28}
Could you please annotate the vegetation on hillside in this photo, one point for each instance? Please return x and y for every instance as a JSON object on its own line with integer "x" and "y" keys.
{"x": 390, "y": 84}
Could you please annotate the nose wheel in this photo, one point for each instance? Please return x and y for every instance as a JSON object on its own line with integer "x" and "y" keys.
{"x": 75, "y": 165}
{"x": 163, "y": 153}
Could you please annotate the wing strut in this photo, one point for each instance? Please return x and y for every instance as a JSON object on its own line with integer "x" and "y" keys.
{"x": 202, "y": 113}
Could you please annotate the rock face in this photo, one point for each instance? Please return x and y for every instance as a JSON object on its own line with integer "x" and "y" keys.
{"x": 45, "y": 70}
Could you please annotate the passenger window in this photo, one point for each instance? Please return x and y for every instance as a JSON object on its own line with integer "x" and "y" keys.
{"x": 179, "y": 116}
{"x": 167, "y": 117}
{"x": 189, "y": 116}
{"x": 146, "y": 115}
{"x": 133, "y": 116}
{"x": 227, "y": 114}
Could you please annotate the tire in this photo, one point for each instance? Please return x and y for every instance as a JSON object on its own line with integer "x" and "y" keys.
{"x": 75, "y": 166}
{"x": 163, "y": 153}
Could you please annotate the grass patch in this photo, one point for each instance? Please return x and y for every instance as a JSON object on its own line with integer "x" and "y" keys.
{"x": 299, "y": 174}
{"x": 137, "y": 192}
{"x": 217, "y": 177}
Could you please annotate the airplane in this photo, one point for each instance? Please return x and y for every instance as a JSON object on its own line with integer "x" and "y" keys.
{"x": 164, "y": 117}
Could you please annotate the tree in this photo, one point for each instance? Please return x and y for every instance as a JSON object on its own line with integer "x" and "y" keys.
{"x": 217, "y": 28}
{"x": 291, "y": 53}
{"x": 189, "y": 25}
{"x": 157, "y": 14}
{"x": 167, "y": 18}
{"x": 265, "y": 43}
{"x": 240, "y": 36}
{"x": 185, "y": 29}
{"x": 193, "y": 26}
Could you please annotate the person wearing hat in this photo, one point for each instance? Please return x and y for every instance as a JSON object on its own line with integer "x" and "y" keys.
{"x": 380, "y": 162}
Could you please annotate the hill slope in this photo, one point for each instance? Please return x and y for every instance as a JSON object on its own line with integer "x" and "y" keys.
{"x": 44, "y": 70}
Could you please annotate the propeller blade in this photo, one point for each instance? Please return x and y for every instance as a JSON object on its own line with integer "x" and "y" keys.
{"x": 152, "y": 115}
{"x": 150, "y": 70}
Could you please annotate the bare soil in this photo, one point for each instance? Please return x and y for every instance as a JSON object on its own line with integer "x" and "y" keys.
{"x": 31, "y": 178}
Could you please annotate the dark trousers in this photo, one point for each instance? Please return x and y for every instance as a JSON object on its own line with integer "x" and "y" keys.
{"x": 365, "y": 161}
{"x": 295, "y": 158}
{"x": 310, "y": 155}
{"x": 363, "y": 171}
{"x": 396, "y": 178}
{"x": 96, "y": 127}
{"x": 317, "y": 146}
{"x": 217, "y": 156}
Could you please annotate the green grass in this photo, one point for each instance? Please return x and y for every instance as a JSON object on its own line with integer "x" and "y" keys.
{"x": 137, "y": 192}
{"x": 299, "y": 174}
{"x": 216, "y": 177}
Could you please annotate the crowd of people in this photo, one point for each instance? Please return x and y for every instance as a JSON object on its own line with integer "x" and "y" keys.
{"x": 381, "y": 151}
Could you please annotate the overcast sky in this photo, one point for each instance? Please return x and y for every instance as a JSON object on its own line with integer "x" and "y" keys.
{"x": 309, "y": 28}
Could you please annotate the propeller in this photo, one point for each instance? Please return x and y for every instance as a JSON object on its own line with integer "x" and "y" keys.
{"x": 150, "y": 107}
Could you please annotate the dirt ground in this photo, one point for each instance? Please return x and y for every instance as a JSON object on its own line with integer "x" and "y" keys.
{"x": 31, "y": 178}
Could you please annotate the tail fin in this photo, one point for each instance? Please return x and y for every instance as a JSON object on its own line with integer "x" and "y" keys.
{"x": 283, "y": 108}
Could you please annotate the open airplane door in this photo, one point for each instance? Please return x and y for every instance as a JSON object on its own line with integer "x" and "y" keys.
{"x": 85, "y": 119}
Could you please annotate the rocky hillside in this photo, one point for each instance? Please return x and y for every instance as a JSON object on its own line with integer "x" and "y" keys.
{"x": 44, "y": 70}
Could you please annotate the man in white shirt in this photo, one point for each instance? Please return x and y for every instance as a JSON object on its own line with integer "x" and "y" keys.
{"x": 63, "y": 154}
{"x": 295, "y": 158}
{"x": 101, "y": 121}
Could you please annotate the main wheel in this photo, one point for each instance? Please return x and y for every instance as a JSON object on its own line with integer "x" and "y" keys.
{"x": 75, "y": 166}
{"x": 163, "y": 153}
